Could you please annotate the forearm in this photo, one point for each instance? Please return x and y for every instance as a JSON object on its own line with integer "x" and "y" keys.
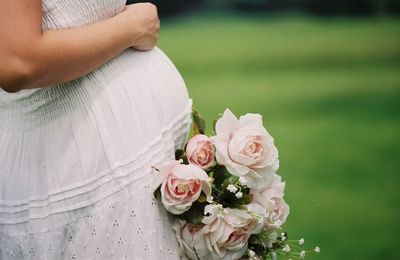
{"x": 62, "y": 55}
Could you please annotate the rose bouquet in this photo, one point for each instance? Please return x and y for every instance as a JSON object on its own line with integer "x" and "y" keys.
{"x": 225, "y": 193}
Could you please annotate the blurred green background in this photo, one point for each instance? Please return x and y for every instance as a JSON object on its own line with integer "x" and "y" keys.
{"x": 329, "y": 90}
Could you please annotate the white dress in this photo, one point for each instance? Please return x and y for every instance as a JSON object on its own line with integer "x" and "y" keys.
{"x": 75, "y": 158}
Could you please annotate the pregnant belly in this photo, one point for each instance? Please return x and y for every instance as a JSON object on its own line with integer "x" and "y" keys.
{"x": 137, "y": 95}
{"x": 146, "y": 81}
{"x": 141, "y": 87}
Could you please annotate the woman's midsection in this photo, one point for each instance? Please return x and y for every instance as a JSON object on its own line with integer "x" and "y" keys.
{"x": 67, "y": 134}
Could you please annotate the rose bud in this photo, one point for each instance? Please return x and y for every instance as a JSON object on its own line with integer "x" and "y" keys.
{"x": 200, "y": 151}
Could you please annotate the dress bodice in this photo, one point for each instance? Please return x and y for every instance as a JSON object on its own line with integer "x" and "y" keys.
{"x": 61, "y": 14}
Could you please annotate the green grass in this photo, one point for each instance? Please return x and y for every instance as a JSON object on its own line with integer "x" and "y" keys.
{"x": 329, "y": 91}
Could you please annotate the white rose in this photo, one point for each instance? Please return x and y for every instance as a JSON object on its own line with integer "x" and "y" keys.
{"x": 269, "y": 201}
{"x": 246, "y": 148}
{"x": 185, "y": 233}
{"x": 225, "y": 234}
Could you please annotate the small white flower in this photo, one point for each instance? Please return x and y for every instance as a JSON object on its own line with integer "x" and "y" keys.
{"x": 273, "y": 217}
{"x": 278, "y": 223}
{"x": 317, "y": 249}
{"x": 243, "y": 181}
{"x": 252, "y": 253}
{"x": 301, "y": 241}
{"x": 232, "y": 188}
{"x": 283, "y": 238}
{"x": 273, "y": 255}
{"x": 239, "y": 195}
{"x": 302, "y": 254}
{"x": 286, "y": 249}
{"x": 210, "y": 199}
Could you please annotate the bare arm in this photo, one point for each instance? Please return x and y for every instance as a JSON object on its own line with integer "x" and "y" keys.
{"x": 32, "y": 59}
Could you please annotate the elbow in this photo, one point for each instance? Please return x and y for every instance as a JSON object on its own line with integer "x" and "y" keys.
{"x": 16, "y": 75}
{"x": 10, "y": 88}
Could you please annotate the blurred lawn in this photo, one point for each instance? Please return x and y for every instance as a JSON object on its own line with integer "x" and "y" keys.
{"x": 329, "y": 91}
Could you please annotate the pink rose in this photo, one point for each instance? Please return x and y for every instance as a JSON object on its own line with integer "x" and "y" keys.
{"x": 181, "y": 185}
{"x": 269, "y": 201}
{"x": 185, "y": 233}
{"x": 225, "y": 234}
{"x": 200, "y": 151}
{"x": 246, "y": 148}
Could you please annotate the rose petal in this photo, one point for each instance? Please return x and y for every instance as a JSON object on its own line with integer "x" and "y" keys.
{"x": 237, "y": 169}
{"x": 251, "y": 119}
{"x": 189, "y": 172}
{"x": 227, "y": 124}
{"x": 164, "y": 169}
{"x": 222, "y": 152}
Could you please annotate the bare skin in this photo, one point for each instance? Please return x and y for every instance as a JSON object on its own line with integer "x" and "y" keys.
{"x": 30, "y": 58}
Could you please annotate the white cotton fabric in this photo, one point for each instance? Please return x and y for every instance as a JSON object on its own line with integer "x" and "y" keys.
{"x": 76, "y": 159}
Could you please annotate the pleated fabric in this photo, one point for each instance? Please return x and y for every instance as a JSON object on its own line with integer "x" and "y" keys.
{"x": 76, "y": 159}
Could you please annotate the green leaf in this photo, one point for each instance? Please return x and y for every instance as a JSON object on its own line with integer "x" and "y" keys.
{"x": 202, "y": 197}
{"x": 220, "y": 174}
{"x": 199, "y": 124}
{"x": 195, "y": 214}
{"x": 179, "y": 154}
{"x": 157, "y": 193}
{"x": 247, "y": 198}
{"x": 215, "y": 126}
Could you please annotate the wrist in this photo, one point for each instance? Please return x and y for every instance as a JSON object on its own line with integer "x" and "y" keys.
{"x": 131, "y": 28}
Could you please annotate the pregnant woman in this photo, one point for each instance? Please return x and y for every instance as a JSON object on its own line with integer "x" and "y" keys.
{"x": 87, "y": 106}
